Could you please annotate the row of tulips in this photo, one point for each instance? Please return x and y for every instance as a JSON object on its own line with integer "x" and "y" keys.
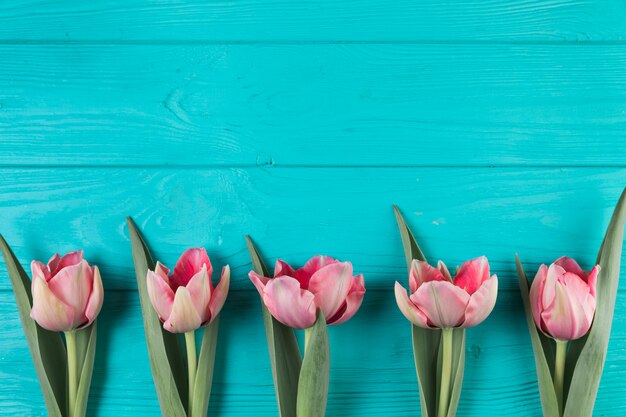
{"x": 66, "y": 294}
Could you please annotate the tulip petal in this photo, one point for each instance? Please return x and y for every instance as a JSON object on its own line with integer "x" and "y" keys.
{"x": 184, "y": 317}
{"x": 189, "y": 264}
{"x": 220, "y": 293}
{"x": 331, "y": 285}
{"x": 313, "y": 265}
{"x": 73, "y": 285}
{"x": 481, "y": 303}
{"x": 592, "y": 279}
{"x": 288, "y": 303}
{"x": 536, "y": 294}
{"x": 554, "y": 274}
{"x": 564, "y": 320}
{"x": 570, "y": 265}
{"x": 422, "y": 272}
{"x": 353, "y": 301}
{"x": 161, "y": 295}
{"x": 472, "y": 274}
{"x": 283, "y": 268}
{"x": 444, "y": 270}
{"x": 200, "y": 291}
{"x": 40, "y": 269}
{"x": 259, "y": 281}
{"x": 442, "y": 302}
{"x": 48, "y": 311}
{"x": 163, "y": 271}
{"x": 412, "y": 313}
{"x": 56, "y": 263}
{"x": 94, "y": 305}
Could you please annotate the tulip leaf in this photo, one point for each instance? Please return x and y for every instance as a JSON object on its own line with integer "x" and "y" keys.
{"x": 315, "y": 372}
{"x": 46, "y": 347}
{"x": 426, "y": 343}
{"x": 86, "y": 352}
{"x": 542, "y": 349}
{"x": 283, "y": 348}
{"x": 166, "y": 359}
{"x": 586, "y": 356}
{"x": 204, "y": 373}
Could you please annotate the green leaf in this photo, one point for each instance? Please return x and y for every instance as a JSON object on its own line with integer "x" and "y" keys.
{"x": 426, "y": 343}
{"x": 283, "y": 348}
{"x": 315, "y": 372}
{"x": 46, "y": 347}
{"x": 166, "y": 359}
{"x": 544, "y": 355}
{"x": 204, "y": 373}
{"x": 86, "y": 353}
{"x": 586, "y": 356}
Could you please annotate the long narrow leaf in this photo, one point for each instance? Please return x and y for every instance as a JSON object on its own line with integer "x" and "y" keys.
{"x": 587, "y": 355}
{"x": 315, "y": 372}
{"x": 46, "y": 347}
{"x": 86, "y": 352}
{"x": 426, "y": 342}
{"x": 549, "y": 403}
{"x": 204, "y": 373}
{"x": 283, "y": 348}
{"x": 166, "y": 360}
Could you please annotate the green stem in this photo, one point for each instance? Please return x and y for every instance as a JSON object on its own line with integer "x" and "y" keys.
{"x": 307, "y": 338}
{"x": 190, "y": 340}
{"x": 72, "y": 371}
{"x": 446, "y": 372}
{"x": 559, "y": 370}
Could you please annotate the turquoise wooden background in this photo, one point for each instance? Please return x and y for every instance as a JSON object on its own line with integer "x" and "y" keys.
{"x": 498, "y": 126}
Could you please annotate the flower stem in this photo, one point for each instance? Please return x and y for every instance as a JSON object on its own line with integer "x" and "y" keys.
{"x": 72, "y": 371}
{"x": 559, "y": 370}
{"x": 190, "y": 340}
{"x": 446, "y": 371}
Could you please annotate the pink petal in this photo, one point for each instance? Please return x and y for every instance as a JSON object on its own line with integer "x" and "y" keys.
{"x": 283, "y": 268}
{"x": 577, "y": 288}
{"x": 442, "y": 302}
{"x": 313, "y": 265}
{"x": 48, "y": 311}
{"x": 163, "y": 272}
{"x": 481, "y": 303}
{"x": 592, "y": 279}
{"x": 536, "y": 294}
{"x": 200, "y": 292}
{"x": 331, "y": 285}
{"x": 565, "y": 319}
{"x": 353, "y": 300}
{"x": 444, "y": 270}
{"x": 422, "y": 272}
{"x": 161, "y": 295}
{"x": 259, "y": 281}
{"x": 73, "y": 285}
{"x": 288, "y": 303}
{"x": 184, "y": 317}
{"x": 189, "y": 264}
{"x": 39, "y": 269}
{"x": 554, "y": 274}
{"x": 57, "y": 263}
{"x": 94, "y": 304}
{"x": 570, "y": 265}
{"x": 472, "y": 274}
{"x": 221, "y": 292}
{"x": 412, "y": 313}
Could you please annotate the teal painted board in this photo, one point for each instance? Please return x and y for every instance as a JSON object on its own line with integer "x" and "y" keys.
{"x": 295, "y": 213}
{"x": 319, "y": 20}
{"x": 372, "y": 379}
{"x": 313, "y": 105}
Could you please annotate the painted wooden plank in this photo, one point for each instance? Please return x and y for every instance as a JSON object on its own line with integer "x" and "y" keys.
{"x": 324, "y": 20}
{"x": 370, "y": 379}
{"x": 286, "y": 105}
{"x": 295, "y": 213}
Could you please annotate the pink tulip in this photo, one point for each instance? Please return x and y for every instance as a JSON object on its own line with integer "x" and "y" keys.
{"x": 563, "y": 299}
{"x": 293, "y": 296}
{"x": 186, "y": 299}
{"x": 437, "y": 301}
{"x": 67, "y": 292}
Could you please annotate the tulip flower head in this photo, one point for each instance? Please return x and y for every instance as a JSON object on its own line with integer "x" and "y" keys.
{"x": 186, "y": 299}
{"x": 437, "y": 301}
{"x": 563, "y": 299}
{"x": 67, "y": 292}
{"x": 294, "y": 295}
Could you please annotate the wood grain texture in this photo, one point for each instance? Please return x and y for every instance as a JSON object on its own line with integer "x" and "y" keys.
{"x": 306, "y": 20}
{"x": 313, "y": 105}
{"x": 295, "y": 213}
{"x": 372, "y": 379}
